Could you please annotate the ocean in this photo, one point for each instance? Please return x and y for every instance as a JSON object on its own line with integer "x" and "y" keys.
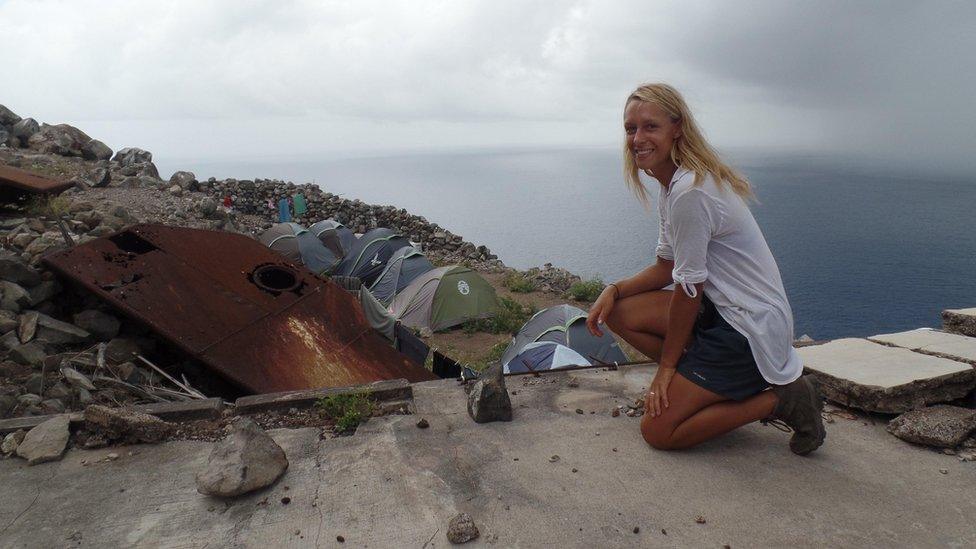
{"x": 862, "y": 249}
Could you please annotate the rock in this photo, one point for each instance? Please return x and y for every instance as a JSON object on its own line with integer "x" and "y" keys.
{"x": 960, "y": 321}
{"x": 131, "y": 182}
{"x": 246, "y": 459}
{"x": 14, "y": 269}
{"x": 29, "y": 399}
{"x": 27, "y": 328}
{"x": 176, "y": 190}
{"x": 100, "y": 177}
{"x": 943, "y": 426}
{"x": 52, "y": 406}
{"x": 12, "y": 441}
{"x": 8, "y": 321}
{"x": 61, "y": 139}
{"x": 23, "y": 131}
{"x": 77, "y": 379}
{"x": 488, "y": 400}
{"x": 149, "y": 170}
{"x": 8, "y": 117}
{"x": 122, "y": 349}
{"x": 43, "y": 292}
{"x": 132, "y": 155}
{"x": 7, "y": 403}
{"x": 423, "y": 423}
{"x": 127, "y": 425}
{"x": 31, "y": 354}
{"x": 96, "y": 150}
{"x": 13, "y": 297}
{"x": 101, "y": 326}
{"x": 52, "y": 331}
{"x": 208, "y": 207}
{"x": 46, "y": 442}
{"x": 185, "y": 180}
{"x": 59, "y": 391}
{"x": 35, "y": 384}
{"x": 461, "y": 529}
{"x": 84, "y": 396}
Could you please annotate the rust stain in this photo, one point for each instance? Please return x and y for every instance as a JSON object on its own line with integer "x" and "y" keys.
{"x": 258, "y": 320}
{"x": 21, "y": 181}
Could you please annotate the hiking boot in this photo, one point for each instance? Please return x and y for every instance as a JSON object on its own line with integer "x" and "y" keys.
{"x": 799, "y": 407}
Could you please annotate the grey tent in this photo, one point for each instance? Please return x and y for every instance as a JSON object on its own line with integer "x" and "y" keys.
{"x": 544, "y": 355}
{"x": 336, "y": 236}
{"x": 300, "y": 246}
{"x": 369, "y": 255}
{"x": 566, "y": 325}
{"x": 444, "y": 297}
{"x": 404, "y": 267}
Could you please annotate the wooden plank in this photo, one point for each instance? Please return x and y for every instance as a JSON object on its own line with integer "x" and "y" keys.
{"x": 392, "y": 389}
{"x": 192, "y": 410}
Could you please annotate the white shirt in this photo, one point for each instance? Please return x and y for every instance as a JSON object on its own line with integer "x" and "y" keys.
{"x": 712, "y": 237}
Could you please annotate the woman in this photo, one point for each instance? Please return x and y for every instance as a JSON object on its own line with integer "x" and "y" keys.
{"x": 726, "y": 329}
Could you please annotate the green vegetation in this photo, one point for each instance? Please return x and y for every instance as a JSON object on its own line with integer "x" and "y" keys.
{"x": 348, "y": 410}
{"x": 47, "y": 206}
{"x": 586, "y": 290}
{"x": 519, "y": 283}
{"x": 494, "y": 354}
{"x": 509, "y": 318}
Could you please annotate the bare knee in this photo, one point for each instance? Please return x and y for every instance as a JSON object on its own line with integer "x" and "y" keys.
{"x": 657, "y": 434}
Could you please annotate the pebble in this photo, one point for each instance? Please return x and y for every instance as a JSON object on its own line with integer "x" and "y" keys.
{"x": 285, "y": 500}
{"x": 340, "y": 539}
{"x": 423, "y": 424}
{"x": 944, "y": 471}
{"x": 700, "y": 519}
{"x": 579, "y": 410}
{"x": 112, "y": 457}
{"x": 615, "y": 413}
{"x": 554, "y": 459}
{"x": 636, "y": 529}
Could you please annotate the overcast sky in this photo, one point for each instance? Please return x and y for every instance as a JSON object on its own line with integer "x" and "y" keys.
{"x": 231, "y": 79}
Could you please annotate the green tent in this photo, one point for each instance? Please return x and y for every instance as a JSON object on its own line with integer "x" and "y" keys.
{"x": 444, "y": 297}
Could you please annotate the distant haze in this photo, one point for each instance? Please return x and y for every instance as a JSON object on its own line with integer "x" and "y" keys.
{"x": 893, "y": 80}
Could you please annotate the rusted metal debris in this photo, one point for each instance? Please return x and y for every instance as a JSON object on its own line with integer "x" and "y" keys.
{"x": 258, "y": 320}
{"x": 14, "y": 182}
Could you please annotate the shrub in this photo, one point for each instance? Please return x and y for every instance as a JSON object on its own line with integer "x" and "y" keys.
{"x": 47, "y": 206}
{"x": 519, "y": 283}
{"x": 509, "y": 319}
{"x": 586, "y": 290}
{"x": 494, "y": 354}
{"x": 348, "y": 410}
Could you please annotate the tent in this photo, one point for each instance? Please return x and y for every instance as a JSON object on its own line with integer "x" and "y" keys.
{"x": 300, "y": 246}
{"x": 566, "y": 325}
{"x": 404, "y": 267}
{"x": 544, "y": 355}
{"x": 336, "y": 236}
{"x": 369, "y": 255}
{"x": 444, "y": 297}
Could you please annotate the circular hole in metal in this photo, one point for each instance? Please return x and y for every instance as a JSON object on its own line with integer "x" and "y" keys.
{"x": 275, "y": 278}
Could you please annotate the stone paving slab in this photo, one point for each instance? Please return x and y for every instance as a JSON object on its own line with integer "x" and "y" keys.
{"x": 960, "y": 321}
{"x": 878, "y": 378}
{"x": 209, "y": 408}
{"x": 933, "y": 342}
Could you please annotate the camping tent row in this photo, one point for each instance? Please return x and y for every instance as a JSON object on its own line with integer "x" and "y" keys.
{"x": 557, "y": 337}
{"x": 396, "y": 273}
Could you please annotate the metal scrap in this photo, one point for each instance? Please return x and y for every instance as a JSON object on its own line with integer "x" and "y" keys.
{"x": 14, "y": 182}
{"x": 259, "y": 321}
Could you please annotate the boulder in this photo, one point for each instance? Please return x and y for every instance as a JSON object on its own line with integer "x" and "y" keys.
{"x": 488, "y": 400}
{"x": 126, "y": 425}
{"x": 8, "y": 117}
{"x": 462, "y": 529}
{"x": 247, "y": 459}
{"x": 23, "y": 130}
{"x": 207, "y": 207}
{"x": 96, "y": 150}
{"x": 132, "y": 155}
{"x": 46, "y": 442}
{"x": 942, "y": 425}
{"x": 148, "y": 169}
{"x": 186, "y": 180}
{"x": 100, "y": 177}
{"x": 101, "y": 326}
{"x": 61, "y": 139}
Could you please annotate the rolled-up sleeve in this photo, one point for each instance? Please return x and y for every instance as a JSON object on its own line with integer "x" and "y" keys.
{"x": 664, "y": 248}
{"x": 692, "y": 222}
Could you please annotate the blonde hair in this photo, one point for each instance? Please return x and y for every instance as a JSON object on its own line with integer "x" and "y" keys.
{"x": 690, "y": 150}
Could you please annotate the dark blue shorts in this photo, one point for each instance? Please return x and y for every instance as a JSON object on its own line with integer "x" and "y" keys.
{"x": 719, "y": 358}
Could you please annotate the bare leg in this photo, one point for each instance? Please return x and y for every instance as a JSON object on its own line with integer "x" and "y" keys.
{"x": 697, "y": 415}
{"x": 642, "y": 321}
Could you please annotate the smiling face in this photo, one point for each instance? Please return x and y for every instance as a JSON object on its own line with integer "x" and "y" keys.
{"x": 650, "y": 135}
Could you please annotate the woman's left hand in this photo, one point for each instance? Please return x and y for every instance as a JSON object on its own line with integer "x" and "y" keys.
{"x": 657, "y": 395}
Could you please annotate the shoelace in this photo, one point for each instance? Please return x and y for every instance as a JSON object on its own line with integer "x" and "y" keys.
{"x": 777, "y": 423}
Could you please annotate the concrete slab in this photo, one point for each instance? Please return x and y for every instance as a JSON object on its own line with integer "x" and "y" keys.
{"x": 394, "y": 485}
{"x": 878, "y": 378}
{"x": 933, "y": 342}
{"x": 960, "y": 321}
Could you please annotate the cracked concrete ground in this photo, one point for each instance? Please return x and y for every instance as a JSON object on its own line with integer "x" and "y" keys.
{"x": 394, "y": 485}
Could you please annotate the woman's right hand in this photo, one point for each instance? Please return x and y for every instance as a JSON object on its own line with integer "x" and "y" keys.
{"x": 600, "y": 310}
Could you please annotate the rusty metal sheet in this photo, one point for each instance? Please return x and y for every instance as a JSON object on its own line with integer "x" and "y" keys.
{"x": 262, "y": 322}
{"x": 24, "y": 181}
